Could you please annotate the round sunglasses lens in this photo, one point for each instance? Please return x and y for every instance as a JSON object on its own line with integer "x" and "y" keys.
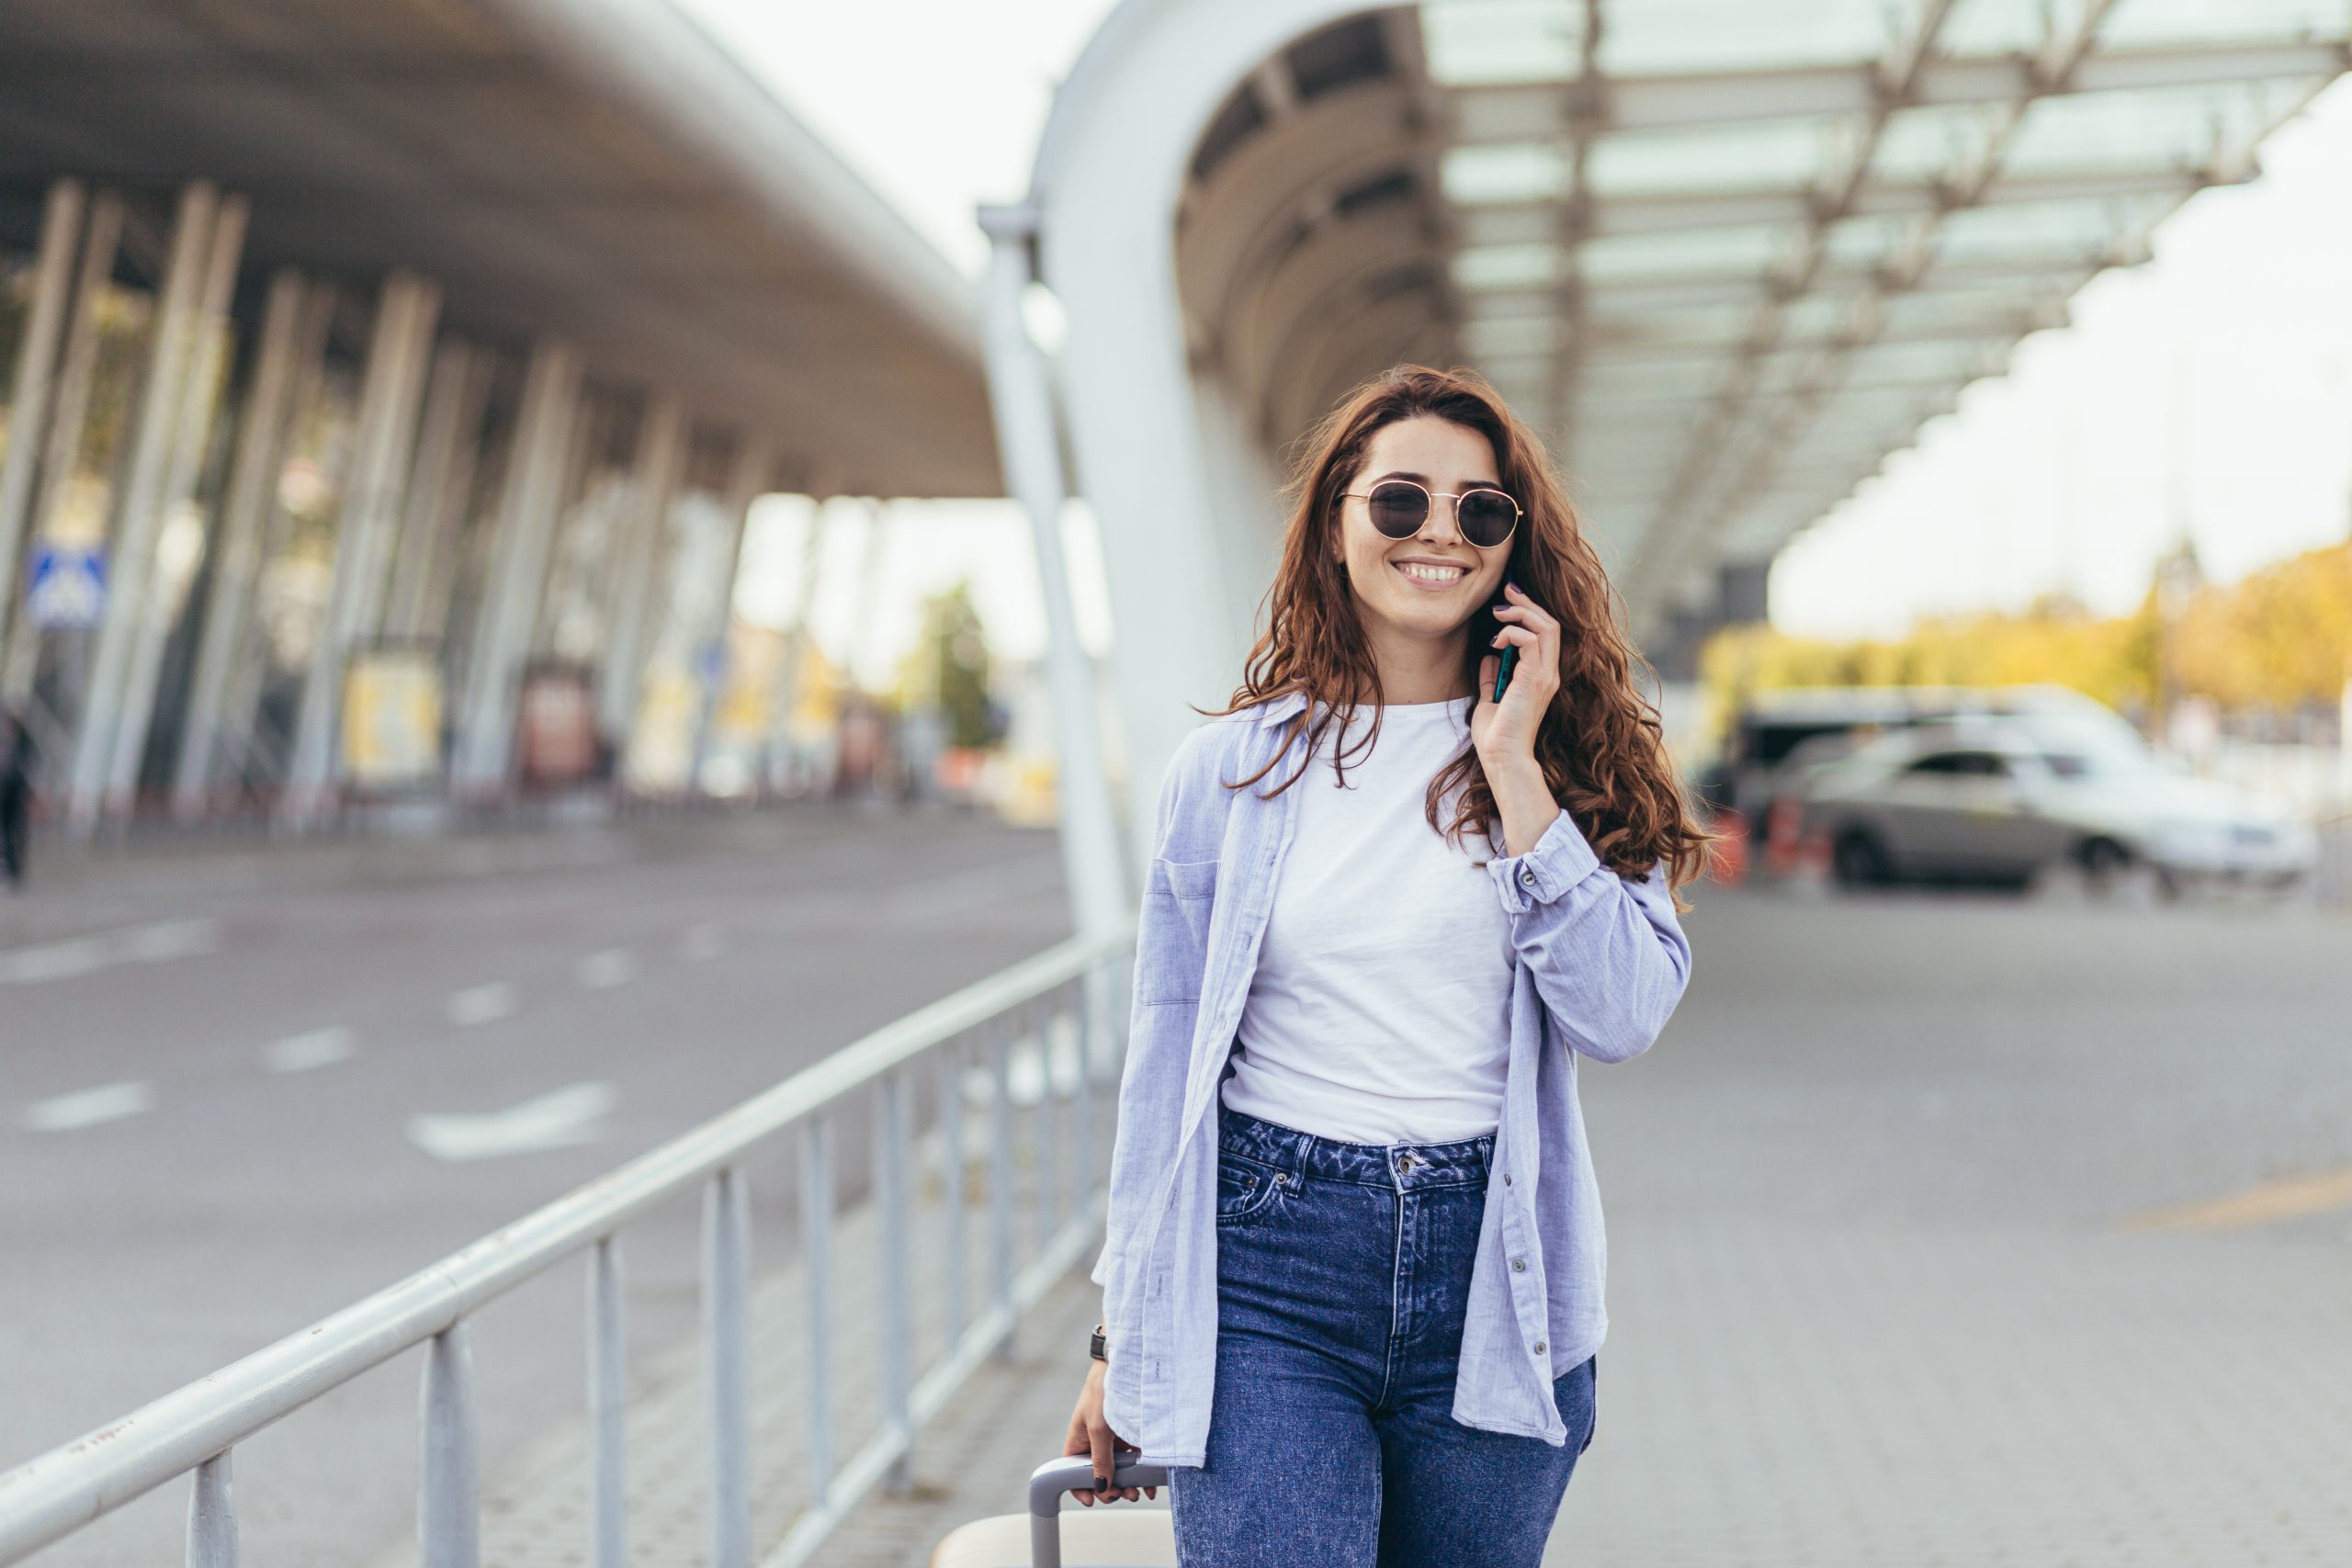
{"x": 1486, "y": 517}
{"x": 1398, "y": 509}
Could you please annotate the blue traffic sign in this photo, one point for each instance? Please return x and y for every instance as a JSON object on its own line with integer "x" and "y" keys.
{"x": 68, "y": 587}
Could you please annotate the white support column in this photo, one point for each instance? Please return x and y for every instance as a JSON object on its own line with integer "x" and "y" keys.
{"x": 139, "y": 514}
{"x": 245, "y": 503}
{"x": 517, "y": 568}
{"x": 1022, "y": 399}
{"x": 658, "y": 466}
{"x": 406, "y": 314}
{"x": 70, "y": 408}
{"x": 61, "y": 230}
{"x": 448, "y": 436}
{"x": 167, "y": 581}
{"x": 754, "y": 467}
{"x": 786, "y": 698}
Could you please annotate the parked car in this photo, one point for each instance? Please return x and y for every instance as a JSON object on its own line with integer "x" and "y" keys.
{"x": 1998, "y": 800}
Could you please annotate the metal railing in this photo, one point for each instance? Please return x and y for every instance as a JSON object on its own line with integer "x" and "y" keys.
{"x": 195, "y": 1430}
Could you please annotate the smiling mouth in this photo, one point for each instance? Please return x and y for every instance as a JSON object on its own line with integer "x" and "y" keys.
{"x": 1436, "y": 576}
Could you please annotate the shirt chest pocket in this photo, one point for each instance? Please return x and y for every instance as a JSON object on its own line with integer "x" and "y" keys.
{"x": 1172, "y": 930}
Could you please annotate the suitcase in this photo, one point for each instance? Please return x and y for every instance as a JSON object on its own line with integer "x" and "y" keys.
{"x": 1117, "y": 1535}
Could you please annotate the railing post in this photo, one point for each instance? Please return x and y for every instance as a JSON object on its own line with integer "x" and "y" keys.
{"x": 212, "y": 1515}
{"x": 448, "y": 1511}
{"x": 1090, "y": 1041}
{"x": 1043, "y": 1019}
{"x": 816, "y": 1259}
{"x": 890, "y": 1158}
{"x": 726, "y": 1270}
{"x": 951, "y": 1138}
{"x": 1000, "y": 1182}
{"x": 607, "y": 1409}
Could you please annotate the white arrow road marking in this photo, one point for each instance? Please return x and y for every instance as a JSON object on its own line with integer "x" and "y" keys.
{"x": 703, "y": 942}
{"x": 560, "y": 1120}
{"x": 482, "y": 1004}
{"x": 603, "y": 971}
{"x": 89, "y": 1108}
{"x": 318, "y": 1048}
{"x": 76, "y": 956}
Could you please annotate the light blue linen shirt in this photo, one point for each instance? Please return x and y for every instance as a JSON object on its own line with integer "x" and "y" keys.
{"x": 1601, "y": 961}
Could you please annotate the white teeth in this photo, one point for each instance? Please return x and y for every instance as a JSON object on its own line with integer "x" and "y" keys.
{"x": 1430, "y": 573}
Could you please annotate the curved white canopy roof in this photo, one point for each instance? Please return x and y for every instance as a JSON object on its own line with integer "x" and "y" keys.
{"x": 1727, "y": 254}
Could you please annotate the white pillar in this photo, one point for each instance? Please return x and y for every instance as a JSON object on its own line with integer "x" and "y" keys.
{"x": 245, "y": 503}
{"x": 786, "y": 699}
{"x": 754, "y": 464}
{"x": 448, "y": 437}
{"x": 517, "y": 571}
{"x": 70, "y": 406}
{"x": 139, "y": 514}
{"x": 1022, "y": 399}
{"x": 167, "y": 581}
{"x": 657, "y": 467}
{"x": 406, "y": 314}
{"x": 61, "y": 229}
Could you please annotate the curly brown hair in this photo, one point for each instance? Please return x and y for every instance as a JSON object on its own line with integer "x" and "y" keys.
{"x": 1600, "y": 746}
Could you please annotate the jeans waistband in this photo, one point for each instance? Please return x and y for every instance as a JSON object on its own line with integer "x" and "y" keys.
{"x": 1401, "y": 1166}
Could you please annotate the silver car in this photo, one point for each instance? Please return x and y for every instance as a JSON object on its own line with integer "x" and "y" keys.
{"x": 1999, "y": 803}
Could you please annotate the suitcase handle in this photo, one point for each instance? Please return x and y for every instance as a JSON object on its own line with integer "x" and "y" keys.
{"x": 1075, "y": 1473}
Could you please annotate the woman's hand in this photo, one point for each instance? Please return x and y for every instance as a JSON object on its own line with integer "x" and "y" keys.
{"x": 1090, "y": 1434}
{"x": 1504, "y": 732}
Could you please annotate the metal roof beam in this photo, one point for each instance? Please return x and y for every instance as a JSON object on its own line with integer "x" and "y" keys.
{"x": 1533, "y": 112}
{"x": 1535, "y": 221}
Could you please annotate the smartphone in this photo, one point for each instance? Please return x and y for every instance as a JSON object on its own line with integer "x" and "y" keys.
{"x": 1510, "y": 658}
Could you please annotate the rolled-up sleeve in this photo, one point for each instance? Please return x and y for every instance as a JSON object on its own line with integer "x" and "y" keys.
{"x": 1606, "y": 952}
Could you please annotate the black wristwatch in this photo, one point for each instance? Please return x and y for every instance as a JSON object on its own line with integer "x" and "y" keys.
{"x": 1096, "y": 1348}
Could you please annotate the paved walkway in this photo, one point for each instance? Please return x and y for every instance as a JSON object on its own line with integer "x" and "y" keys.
{"x": 1881, "y": 1288}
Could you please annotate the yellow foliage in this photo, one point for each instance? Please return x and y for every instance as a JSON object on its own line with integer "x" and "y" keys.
{"x": 2280, "y": 638}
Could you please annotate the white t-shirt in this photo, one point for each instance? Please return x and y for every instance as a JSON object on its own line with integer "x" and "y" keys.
{"x": 1380, "y": 1012}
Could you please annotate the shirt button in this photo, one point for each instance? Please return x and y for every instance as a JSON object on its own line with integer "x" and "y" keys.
{"x": 1506, "y": 1178}
{"x": 1526, "y": 876}
{"x": 1540, "y": 1346}
{"x": 1518, "y": 1265}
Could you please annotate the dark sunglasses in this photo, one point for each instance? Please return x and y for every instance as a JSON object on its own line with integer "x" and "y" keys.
{"x": 1398, "y": 507}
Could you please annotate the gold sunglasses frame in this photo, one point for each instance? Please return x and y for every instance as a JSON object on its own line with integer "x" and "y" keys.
{"x": 1517, "y": 510}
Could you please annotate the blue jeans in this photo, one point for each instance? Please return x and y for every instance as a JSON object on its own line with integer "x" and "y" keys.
{"x": 1342, "y": 1270}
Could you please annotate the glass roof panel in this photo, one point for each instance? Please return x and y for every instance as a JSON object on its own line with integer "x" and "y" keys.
{"x": 1931, "y": 141}
{"x": 2007, "y": 27}
{"x": 1639, "y": 258}
{"x": 2180, "y": 127}
{"x": 1868, "y": 241}
{"x": 1507, "y": 171}
{"x": 1506, "y": 267}
{"x": 2138, "y": 23}
{"x": 1775, "y": 154}
{"x": 1712, "y": 35}
{"x": 2028, "y": 231}
{"x": 1488, "y": 42}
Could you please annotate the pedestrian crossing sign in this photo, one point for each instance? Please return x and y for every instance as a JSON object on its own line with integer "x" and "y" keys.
{"x": 67, "y": 589}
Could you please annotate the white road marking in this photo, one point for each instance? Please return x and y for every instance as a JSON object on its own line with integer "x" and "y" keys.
{"x": 603, "y": 971}
{"x": 71, "y": 957}
{"x": 53, "y": 960}
{"x": 318, "y": 1048}
{"x": 560, "y": 1120}
{"x": 482, "y": 1004}
{"x": 703, "y": 942}
{"x": 89, "y": 1108}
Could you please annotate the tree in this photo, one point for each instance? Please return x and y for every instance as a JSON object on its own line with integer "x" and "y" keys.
{"x": 948, "y": 668}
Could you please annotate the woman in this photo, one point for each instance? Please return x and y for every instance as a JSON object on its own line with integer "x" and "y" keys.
{"x": 1352, "y": 1272}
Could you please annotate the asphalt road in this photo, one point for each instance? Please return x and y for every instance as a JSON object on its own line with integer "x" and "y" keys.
{"x": 224, "y": 1115}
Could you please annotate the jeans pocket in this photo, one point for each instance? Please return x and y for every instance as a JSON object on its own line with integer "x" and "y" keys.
{"x": 1244, "y": 1190}
{"x": 1592, "y": 1398}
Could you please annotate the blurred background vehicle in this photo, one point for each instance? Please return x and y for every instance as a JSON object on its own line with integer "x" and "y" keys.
{"x": 2003, "y": 799}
